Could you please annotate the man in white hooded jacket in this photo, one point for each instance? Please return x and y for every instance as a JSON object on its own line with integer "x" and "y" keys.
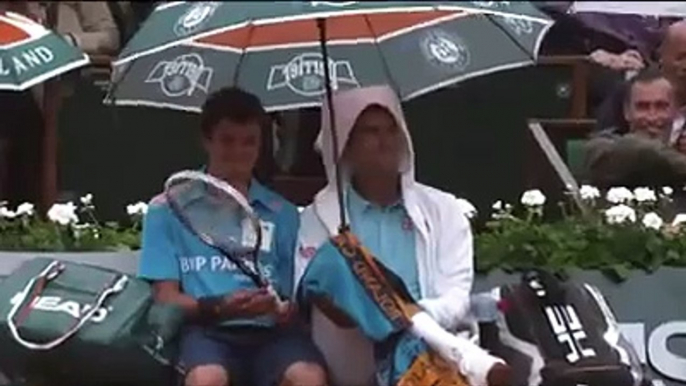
{"x": 418, "y": 232}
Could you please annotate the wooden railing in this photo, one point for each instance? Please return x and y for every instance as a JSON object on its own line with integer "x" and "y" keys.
{"x": 580, "y": 76}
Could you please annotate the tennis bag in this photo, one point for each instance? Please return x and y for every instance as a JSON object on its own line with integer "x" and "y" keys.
{"x": 75, "y": 324}
{"x": 554, "y": 332}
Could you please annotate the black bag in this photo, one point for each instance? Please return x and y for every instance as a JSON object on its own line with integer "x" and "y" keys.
{"x": 554, "y": 332}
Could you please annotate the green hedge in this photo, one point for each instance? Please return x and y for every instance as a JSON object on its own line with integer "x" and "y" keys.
{"x": 621, "y": 231}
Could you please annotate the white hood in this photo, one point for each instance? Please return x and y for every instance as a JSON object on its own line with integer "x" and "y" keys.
{"x": 348, "y": 105}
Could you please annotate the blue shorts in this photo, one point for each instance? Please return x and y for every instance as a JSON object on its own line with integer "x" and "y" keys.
{"x": 252, "y": 356}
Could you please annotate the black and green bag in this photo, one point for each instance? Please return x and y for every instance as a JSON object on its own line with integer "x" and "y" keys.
{"x": 76, "y": 324}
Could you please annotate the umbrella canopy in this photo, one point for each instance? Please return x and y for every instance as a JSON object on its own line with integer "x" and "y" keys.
{"x": 31, "y": 54}
{"x": 187, "y": 50}
{"x": 647, "y": 8}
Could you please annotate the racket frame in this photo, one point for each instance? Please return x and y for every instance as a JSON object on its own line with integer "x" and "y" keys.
{"x": 256, "y": 275}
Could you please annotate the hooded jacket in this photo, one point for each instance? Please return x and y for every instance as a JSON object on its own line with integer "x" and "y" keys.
{"x": 444, "y": 243}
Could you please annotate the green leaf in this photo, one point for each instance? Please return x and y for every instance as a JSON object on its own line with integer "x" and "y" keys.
{"x": 617, "y": 272}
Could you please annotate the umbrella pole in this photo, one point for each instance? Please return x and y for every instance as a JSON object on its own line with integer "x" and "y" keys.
{"x": 321, "y": 24}
{"x": 51, "y": 105}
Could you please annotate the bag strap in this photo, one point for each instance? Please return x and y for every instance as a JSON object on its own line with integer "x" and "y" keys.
{"x": 372, "y": 278}
{"x": 49, "y": 273}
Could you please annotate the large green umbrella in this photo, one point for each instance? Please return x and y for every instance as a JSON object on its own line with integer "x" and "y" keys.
{"x": 31, "y": 54}
{"x": 185, "y": 51}
{"x": 291, "y": 54}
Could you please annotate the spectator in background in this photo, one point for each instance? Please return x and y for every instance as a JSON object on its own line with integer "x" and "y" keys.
{"x": 86, "y": 24}
{"x": 673, "y": 62}
{"x": 129, "y": 15}
{"x": 642, "y": 157}
{"x": 672, "y": 58}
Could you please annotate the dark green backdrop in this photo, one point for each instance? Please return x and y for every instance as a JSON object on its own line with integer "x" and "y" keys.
{"x": 469, "y": 139}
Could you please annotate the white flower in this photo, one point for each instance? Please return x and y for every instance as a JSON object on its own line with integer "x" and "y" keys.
{"x": 6, "y": 213}
{"x": 498, "y": 205}
{"x": 667, "y": 191}
{"x": 645, "y": 195}
{"x": 619, "y": 214}
{"x": 652, "y": 220}
{"x": 679, "y": 219}
{"x": 25, "y": 209}
{"x": 500, "y": 210}
{"x": 87, "y": 200}
{"x": 589, "y": 192}
{"x": 137, "y": 209}
{"x": 533, "y": 197}
{"x": 466, "y": 207}
{"x": 63, "y": 214}
{"x": 619, "y": 195}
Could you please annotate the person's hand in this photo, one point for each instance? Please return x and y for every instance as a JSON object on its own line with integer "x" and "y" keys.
{"x": 249, "y": 303}
{"x": 232, "y": 304}
{"x": 628, "y": 60}
{"x": 70, "y": 39}
{"x": 631, "y": 60}
{"x": 285, "y": 316}
{"x": 602, "y": 57}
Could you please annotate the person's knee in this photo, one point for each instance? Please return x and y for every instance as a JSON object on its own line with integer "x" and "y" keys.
{"x": 209, "y": 375}
{"x": 305, "y": 374}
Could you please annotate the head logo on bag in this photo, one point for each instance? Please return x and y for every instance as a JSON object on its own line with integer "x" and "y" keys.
{"x": 57, "y": 304}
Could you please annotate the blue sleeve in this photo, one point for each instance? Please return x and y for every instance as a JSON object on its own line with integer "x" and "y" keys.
{"x": 158, "y": 259}
{"x": 287, "y": 240}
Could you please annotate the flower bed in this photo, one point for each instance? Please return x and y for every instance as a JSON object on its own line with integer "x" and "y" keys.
{"x": 68, "y": 228}
{"x": 622, "y": 232}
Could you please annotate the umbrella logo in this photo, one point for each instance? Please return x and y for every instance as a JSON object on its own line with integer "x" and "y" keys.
{"x": 181, "y": 76}
{"x": 490, "y": 4}
{"x": 195, "y": 17}
{"x": 518, "y": 25}
{"x": 446, "y": 50}
{"x": 304, "y": 75}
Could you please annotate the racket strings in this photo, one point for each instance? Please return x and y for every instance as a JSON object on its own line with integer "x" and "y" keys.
{"x": 213, "y": 213}
{"x": 220, "y": 216}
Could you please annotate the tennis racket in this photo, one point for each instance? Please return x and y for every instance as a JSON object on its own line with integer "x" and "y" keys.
{"x": 222, "y": 218}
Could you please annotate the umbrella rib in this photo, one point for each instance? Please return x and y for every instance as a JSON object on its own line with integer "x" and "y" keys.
{"x": 251, "y": 30}
{"x": 384, "y": 62}
{"x": 509, "y": 36}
